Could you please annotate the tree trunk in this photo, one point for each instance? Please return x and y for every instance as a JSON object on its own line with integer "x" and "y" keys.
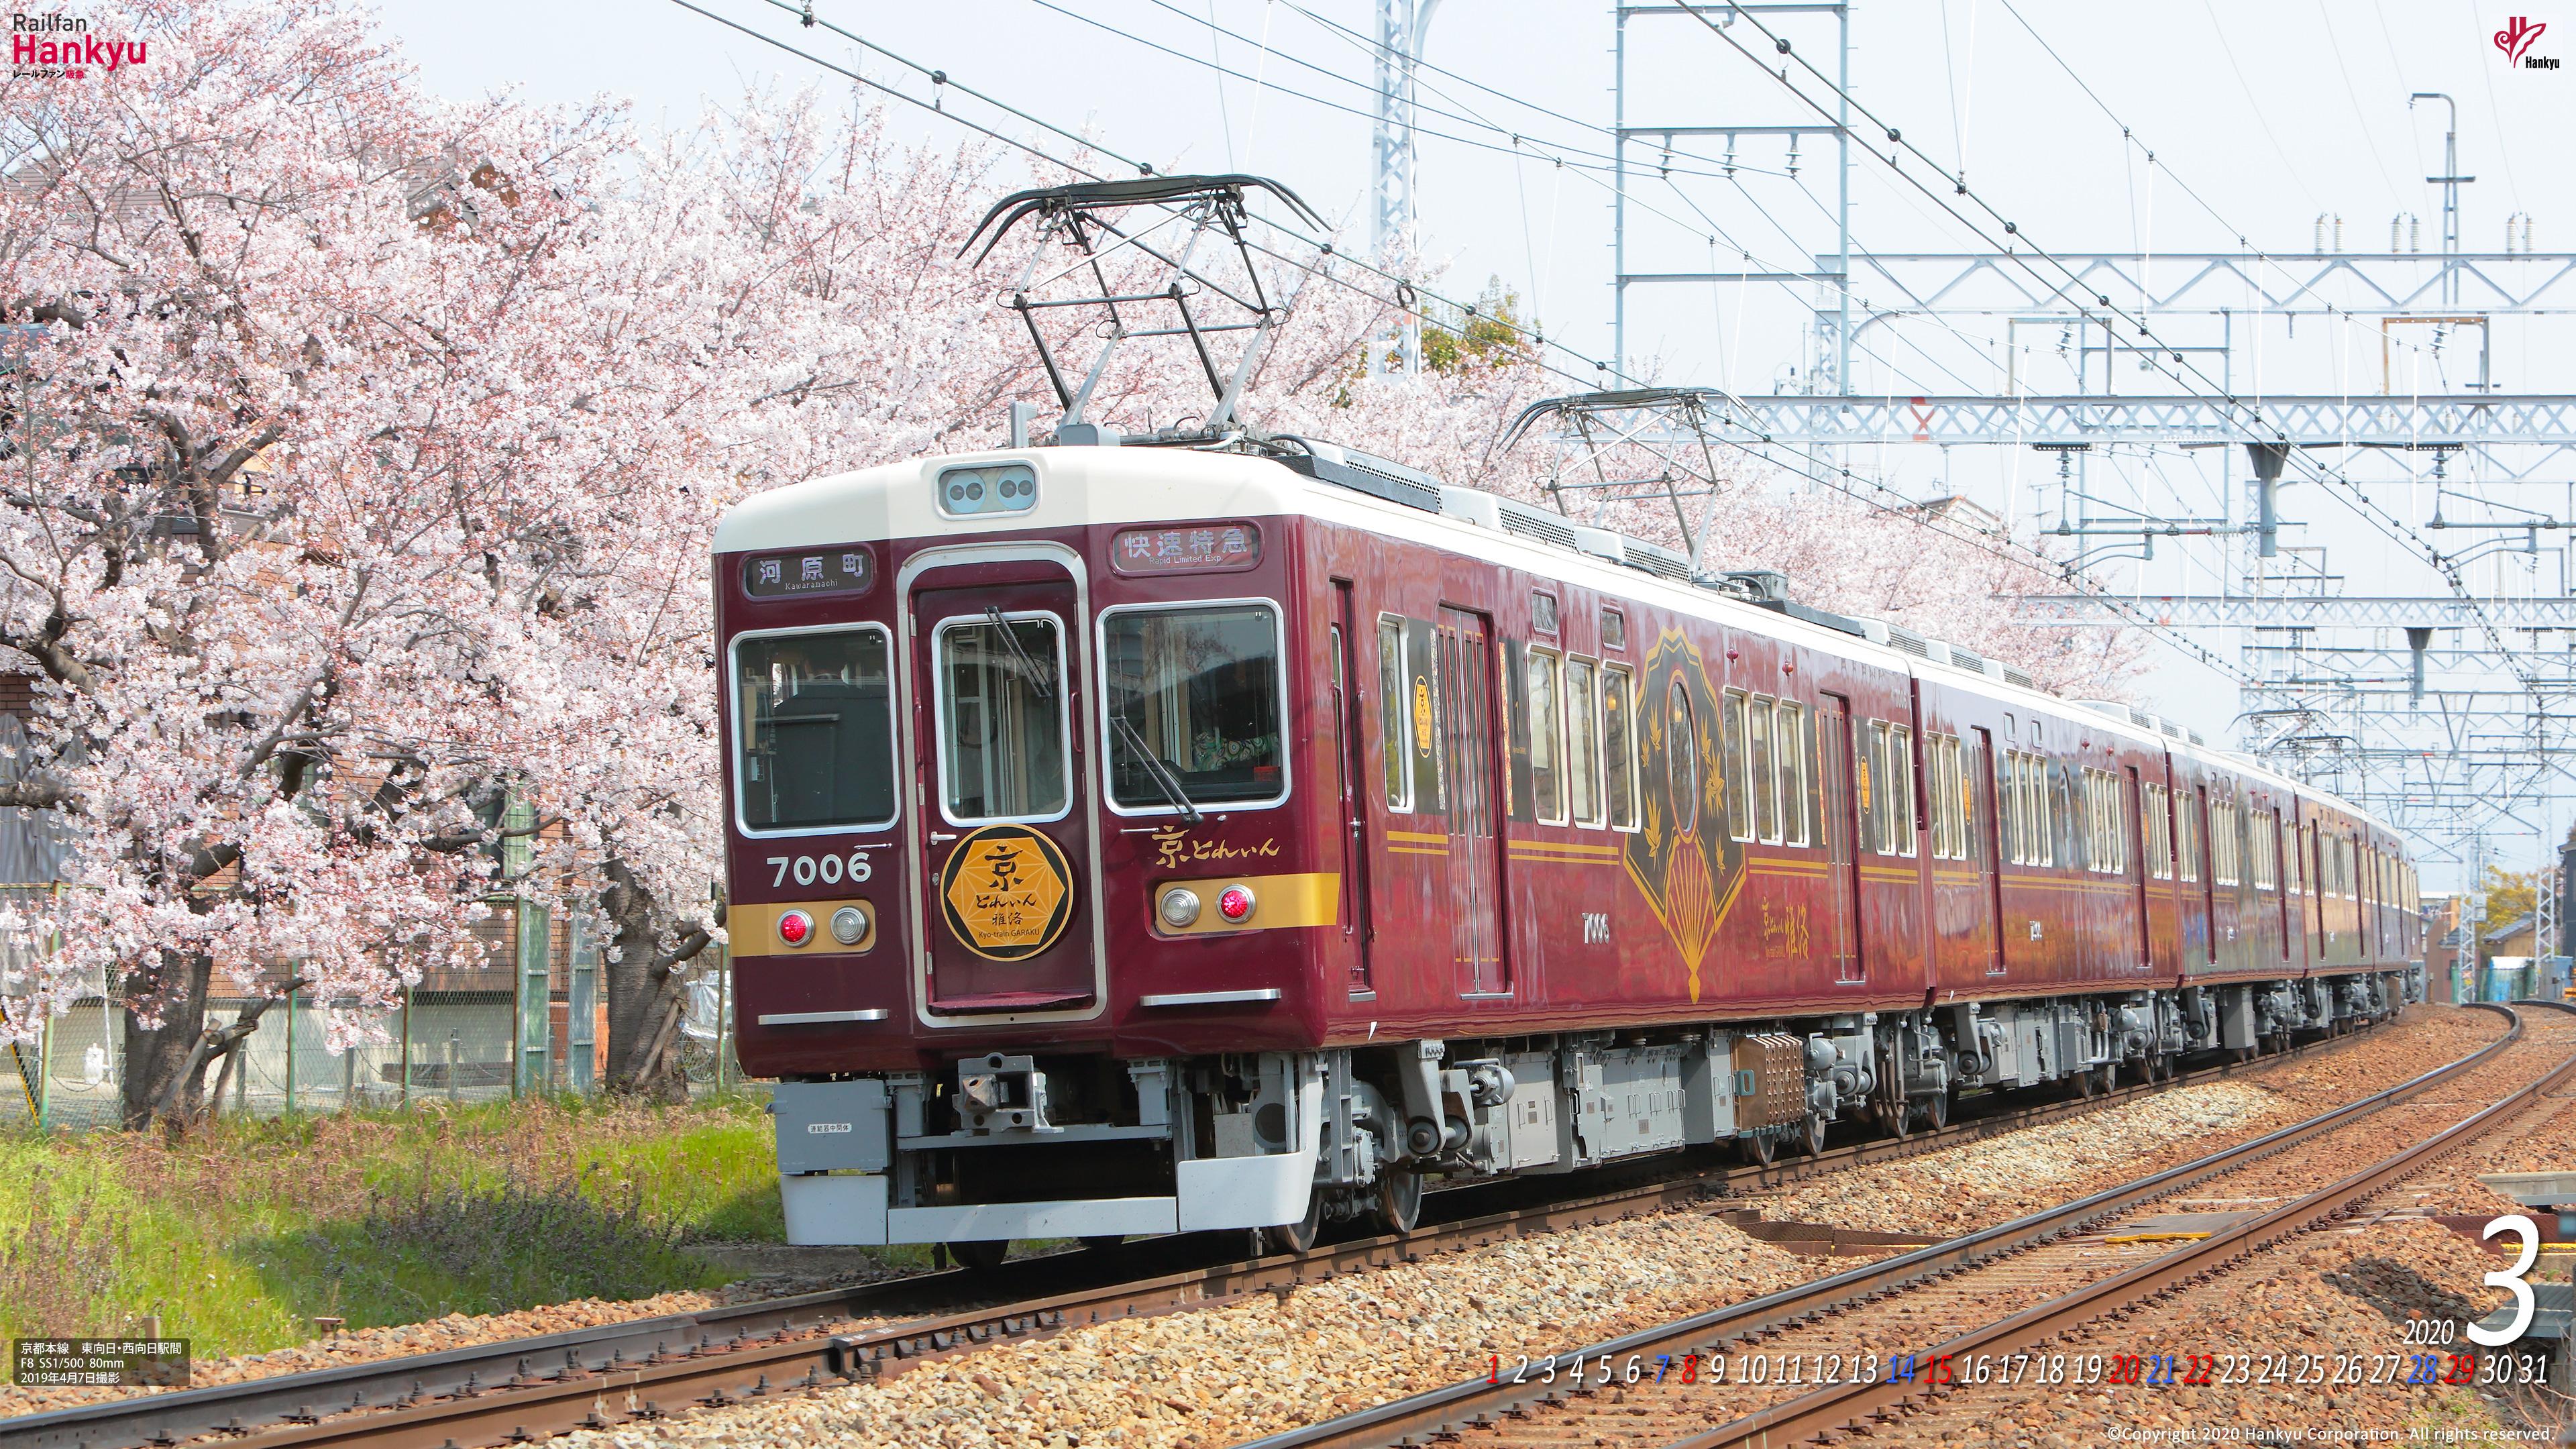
{"x": 646, "y": 996}
{"x": 164, "y": 1073}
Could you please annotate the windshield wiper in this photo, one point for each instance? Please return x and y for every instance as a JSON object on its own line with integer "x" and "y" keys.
{"x": 1156, "y": 771}
{"x": 1037, "y": 677}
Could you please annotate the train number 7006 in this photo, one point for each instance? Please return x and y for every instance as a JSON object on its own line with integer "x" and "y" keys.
{"x": 828, "y": 869}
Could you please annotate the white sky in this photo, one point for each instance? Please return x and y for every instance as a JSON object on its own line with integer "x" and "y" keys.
{"x": 2271, "y": 111}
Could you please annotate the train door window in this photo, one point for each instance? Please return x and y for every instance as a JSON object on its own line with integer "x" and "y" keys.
{"x": 1900, "y": 787}
{"x": 1614, "y": 629}
{"x": 1789, "y": 756}
{"x": 2159, "y": 825}
{"x": 1395, "y": 732}
{"x": 2187, "y": 837}
{"x": 1193, "y": 698}
{"x": 2114, "y": 788}
{"x": 1619, "y": 740}
{"x": 1873, "y": 791}
{"x": 1681, "y": 757}
{"x": 816, "y": 731}
{"x": 1582, "y": 742}
{"x": 1739, "y": 778}
{"x": 2007, "y": 765}
{"x": 1757, "y": 769}
{"x": 1001, "y": 706}
{"x": 1940, "y": 786}
{"x": 1547, "y": 739}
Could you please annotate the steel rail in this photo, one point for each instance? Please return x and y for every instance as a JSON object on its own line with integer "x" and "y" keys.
{"x": 1452, "y": 1409}
{"x": 559, "y": 1381}
{"x": 1841, "y": 1406}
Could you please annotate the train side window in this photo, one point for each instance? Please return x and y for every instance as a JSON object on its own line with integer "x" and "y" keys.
{"x": 1739, "y": 776}
{"x": 1938, "y": 794}
{"x": 1619, "y": 737}
{"x": 1547, "y": 739}
{"x": 1394, "y": 729}
{"x": 1757, "y": 769}
{"x": 1789, "y": 752}
{"x": 1582, "y": 743}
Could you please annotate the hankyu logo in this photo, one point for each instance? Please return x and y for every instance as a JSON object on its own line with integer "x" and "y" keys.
{"x": 2515, "y": 41}
{"x": 60, "y": 47}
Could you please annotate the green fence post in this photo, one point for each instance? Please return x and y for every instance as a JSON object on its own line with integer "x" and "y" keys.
{"x": 290, "y": 1052}
{"x": 44, "y": 1071}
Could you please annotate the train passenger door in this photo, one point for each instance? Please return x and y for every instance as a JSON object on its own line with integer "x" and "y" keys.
{"x": 2137, "y": 847}
{"x": 1358, "y": 922}
{"x": 1842, "y": 835}
{"x": 1466, "y": 712}
{"x": 1990, "y": 850}
{"x": 1004, "y": 782}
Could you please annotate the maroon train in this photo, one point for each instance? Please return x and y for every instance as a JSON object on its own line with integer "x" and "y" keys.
{"x": 1134, "y": 840}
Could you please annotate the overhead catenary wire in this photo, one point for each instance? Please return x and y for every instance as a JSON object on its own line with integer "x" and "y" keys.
{"x": 1841, "y": 479}
{"x": 2355, "y": 496}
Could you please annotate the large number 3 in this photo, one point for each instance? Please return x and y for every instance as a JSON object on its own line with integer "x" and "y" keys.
{"x": 2511, "y": 1279}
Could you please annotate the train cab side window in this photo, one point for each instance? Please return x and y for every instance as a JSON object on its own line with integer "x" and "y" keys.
{"x": 1789, "y": 754}
{"x": 815, "y": 738}
{"x": 1733, "y": 749}
{"x": 1582, "y": 742}
{"x": 1619, "y": 741}
{"x": 1198, "y": 689}
{"x": 1394, "y": 724}
{"x": 1546, "y": 741}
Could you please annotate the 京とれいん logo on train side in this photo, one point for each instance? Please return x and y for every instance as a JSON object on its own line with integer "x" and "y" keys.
{"x": 1682, "y": 857}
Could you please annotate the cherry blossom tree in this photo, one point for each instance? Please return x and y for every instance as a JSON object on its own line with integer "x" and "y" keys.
{"x": 364, "y": 452}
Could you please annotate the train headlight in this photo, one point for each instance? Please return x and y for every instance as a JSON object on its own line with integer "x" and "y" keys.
{"x": 1179, "y": 907}
{"x": 796, "y": 928}
{"x": 1235, "y": 904}
{"x": 849, "y": 925}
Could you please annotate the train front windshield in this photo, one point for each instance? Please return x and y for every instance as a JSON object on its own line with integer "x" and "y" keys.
{"x": 1199, "y": 688}
{"x": 817, "y": 729}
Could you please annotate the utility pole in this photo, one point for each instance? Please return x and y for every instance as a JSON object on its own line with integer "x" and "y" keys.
{"x": 1401, "y": 25}
{"x": 2450, "y": 179}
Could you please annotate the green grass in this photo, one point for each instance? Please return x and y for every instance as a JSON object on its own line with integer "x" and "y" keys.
{"x": 242, "y": 1234}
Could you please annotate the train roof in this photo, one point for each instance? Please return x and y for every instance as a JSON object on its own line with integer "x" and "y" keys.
{"x": 1085, "y": 486}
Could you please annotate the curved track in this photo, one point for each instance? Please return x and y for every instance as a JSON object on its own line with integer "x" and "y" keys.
{"x": 642, "y": 1369}
{"x": 1984, "y": 1278}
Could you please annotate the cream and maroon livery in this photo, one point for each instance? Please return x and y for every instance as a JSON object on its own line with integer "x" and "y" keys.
{"x": 1132, "y": 840}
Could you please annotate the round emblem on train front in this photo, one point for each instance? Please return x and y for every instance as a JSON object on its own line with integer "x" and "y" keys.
{"x": 1007, "y": 892}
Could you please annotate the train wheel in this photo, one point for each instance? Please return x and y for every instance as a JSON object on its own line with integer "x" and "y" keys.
{"x": 1896, "y": 1117}
{"x": 1299, "y": 1236}
{"x": 1759, "y": 1149}
{"x": 1399, "y": 1200}
{"x": 2110, "y": 1077}
{"x": 1813, "y": 1137}
{"x": 2084, "y": 1084}
{"x": 981, "y": 1254}
{"x": 1936, "y": 1110}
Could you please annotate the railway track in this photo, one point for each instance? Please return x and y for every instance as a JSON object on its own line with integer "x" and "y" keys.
{"x": 646, "y": 1369}
{"x": 1990, "y": 1294}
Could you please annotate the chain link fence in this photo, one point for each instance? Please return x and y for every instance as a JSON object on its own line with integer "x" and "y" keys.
{"x": 530, "y": 1018}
